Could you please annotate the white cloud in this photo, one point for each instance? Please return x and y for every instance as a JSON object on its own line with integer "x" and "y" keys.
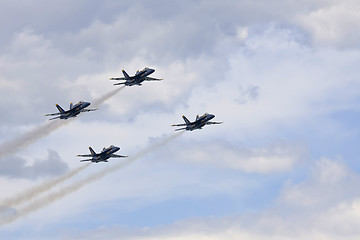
{"x": 335, "y": 221}
{"x": 222, "y": 154}
{"x": 247, "y": 62}
{"x": 334, "y": 25}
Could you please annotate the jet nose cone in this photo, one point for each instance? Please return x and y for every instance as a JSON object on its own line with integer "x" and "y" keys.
{"x": 211, "y": 116}
{"x": 86, "y": 104}
{"x": 151, "y": 70}
{"x": 116, "y": 148}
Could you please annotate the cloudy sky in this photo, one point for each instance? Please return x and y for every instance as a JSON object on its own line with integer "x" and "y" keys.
{"x": 282, "y": 75}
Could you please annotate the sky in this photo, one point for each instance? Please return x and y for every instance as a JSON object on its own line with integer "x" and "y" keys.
{"x": 281, "y": 75}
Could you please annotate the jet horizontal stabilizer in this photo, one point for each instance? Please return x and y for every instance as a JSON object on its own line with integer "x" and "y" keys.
{"x": 179, "y": 125}
{"x": 85, "y": 160}
{"x": 180, "y": 129}
{"x": 119, "y": 83}
{"x": 52, "y": 114}
{"x": 84, "y": 155}
{"x": 54, "y": 118}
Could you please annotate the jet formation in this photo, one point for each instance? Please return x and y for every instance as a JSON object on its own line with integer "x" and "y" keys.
{"x": 198, "y": 123}
{"x": 137, "y": 79}
{"x": 72, "y": 112}
{"x": 103, "y": 156}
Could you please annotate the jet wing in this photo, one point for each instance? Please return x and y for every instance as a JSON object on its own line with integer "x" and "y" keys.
{"x": 88, "y": 110}
{"x": 210, "y": 123}
{"x": 153, "y": 79}
{"x": 117, "y": 156}
{"x": 120, "y": 78}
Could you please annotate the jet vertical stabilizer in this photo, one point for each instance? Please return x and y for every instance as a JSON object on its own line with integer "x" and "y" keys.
{"x": 126, "y": 75}
{"x": 186, "y": 120}
{"x": 92, "y": 151}
{"x": 59, "y": 108}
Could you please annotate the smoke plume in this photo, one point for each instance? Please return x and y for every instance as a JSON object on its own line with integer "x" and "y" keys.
{"x": 35, "y": 191}
{"x": 44, "y": 130}
{"x": 102, "y": 99}
{"x": 30, "y": 137}
{"x": 52, "y": 197}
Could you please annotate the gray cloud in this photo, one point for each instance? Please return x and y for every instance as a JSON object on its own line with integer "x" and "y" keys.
{"x": 17, "y": 167}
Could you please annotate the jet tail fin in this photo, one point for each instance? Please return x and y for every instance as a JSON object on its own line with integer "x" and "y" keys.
{"x": 59, "y": 108}
{"x": 93, "y": 153}
{"x": 186, "y": 120}
{"x": 126, "y": 75}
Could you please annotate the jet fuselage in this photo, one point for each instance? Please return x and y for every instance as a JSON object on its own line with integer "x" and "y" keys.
{"x": 74, "y": 110}
{"x": 106, "y": 153}
{"x": 103, "y": 156}
{"x": 200, "y": 122}
{"x": 197, "y": 124}
{"x": 139, "y": 77}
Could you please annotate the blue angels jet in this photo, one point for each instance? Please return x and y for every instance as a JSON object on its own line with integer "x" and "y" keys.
{"x": 72, "y": 112}
{"x": 198, "y": 123}
{"x": 138, "y": 78}
{"x": 103, "y": 156}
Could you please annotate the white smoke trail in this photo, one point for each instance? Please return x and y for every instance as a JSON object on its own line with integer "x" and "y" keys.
{"x": 44, "y": 130}
{"x": 35, "y": 191}
{"x": 102, "y": 99}
{"x": 28, "y": 138}
{"x": 79, "y": 184}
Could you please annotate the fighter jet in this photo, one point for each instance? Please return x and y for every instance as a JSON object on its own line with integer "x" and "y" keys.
{"x": 198, "y": 123}
{"x": 105, "y": 154}
{"x": 137, "y": 79}
{"x": 72, "y": 112}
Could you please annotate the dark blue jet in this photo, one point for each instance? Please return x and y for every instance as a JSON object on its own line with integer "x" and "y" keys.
{"x": 72, "y": 112}
{"x": 105, "y": 154}
{"x": 198, "y": 123}
{"x": 137, "y": 79}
